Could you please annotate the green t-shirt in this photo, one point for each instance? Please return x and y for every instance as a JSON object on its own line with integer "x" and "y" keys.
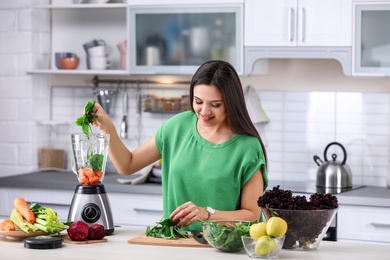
{"x": 207, "y": 174}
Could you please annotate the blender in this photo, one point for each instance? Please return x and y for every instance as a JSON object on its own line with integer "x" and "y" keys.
{"x": 90, "y": 202}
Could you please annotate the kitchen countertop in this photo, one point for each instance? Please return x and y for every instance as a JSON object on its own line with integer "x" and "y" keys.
{"x": 66, "y": 180}
{"x": 118, "y": 248}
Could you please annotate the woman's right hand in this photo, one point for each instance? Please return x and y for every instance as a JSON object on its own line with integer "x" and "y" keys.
{"x": 103, "y": 121}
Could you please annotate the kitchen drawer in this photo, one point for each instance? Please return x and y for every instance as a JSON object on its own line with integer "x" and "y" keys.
{"x": 136, "y": 209}
{"x": 58, "y": 200}
{"x": 363, "y": 223}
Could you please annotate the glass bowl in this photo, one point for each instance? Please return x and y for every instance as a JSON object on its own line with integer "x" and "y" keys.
{"x": 306, "y": 228}
{"x": 249, "y": 245}
{"x": 225, "y": 235}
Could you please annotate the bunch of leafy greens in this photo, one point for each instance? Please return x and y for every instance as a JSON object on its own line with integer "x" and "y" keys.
{"x": 96, "y": 162}
{"x": 166, "y": 229}
{"x": 85, "y": 121}
{"x": 225, "y": 236}
{"x": 46, "y": 219}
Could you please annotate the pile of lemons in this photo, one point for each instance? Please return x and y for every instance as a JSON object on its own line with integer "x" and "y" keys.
{"x": 265, "y": 232}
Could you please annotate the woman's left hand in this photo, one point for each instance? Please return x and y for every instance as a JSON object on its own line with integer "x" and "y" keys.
{"x": 188, "y": 213}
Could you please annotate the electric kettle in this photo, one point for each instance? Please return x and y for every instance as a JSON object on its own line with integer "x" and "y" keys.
{"x": 333, "y": 176}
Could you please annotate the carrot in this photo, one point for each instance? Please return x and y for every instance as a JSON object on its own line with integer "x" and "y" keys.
{"x": 94, "y": 180}
{"x": 99, "y": 173}
{"x": 88, "y": 177}
{"x": 22, "y": 207}
{"x": 7, "y": 225}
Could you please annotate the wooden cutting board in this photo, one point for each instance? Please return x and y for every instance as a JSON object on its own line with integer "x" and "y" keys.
{"x": 66, "y": 239}
{"x": 142, "y": 239}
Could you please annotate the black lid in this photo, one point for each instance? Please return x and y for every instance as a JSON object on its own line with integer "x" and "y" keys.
{"x": 43, "y": 242}
{"x": 93, "y": 189}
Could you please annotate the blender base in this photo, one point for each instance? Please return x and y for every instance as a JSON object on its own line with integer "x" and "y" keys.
{"x": 91, "y": 205}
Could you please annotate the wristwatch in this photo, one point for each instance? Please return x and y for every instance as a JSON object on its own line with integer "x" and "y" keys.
{"x": 210, "y": 211}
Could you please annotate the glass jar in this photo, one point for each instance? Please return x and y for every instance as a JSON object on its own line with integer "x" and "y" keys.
{"x": 185, "y": 104}
{"x": 175, "y": 104}
{"x": 159, "y": 104}
{"x": 167, "y": 104}
{"x": 150, "y": 102}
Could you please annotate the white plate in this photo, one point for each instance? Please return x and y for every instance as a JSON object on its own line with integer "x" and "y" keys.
{"x": 19, "y": 234}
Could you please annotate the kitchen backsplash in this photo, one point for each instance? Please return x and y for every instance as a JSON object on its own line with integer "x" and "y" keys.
{"x": 301, "y": 125}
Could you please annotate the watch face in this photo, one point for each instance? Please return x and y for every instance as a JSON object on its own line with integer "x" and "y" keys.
{"x": 211, "y": 210}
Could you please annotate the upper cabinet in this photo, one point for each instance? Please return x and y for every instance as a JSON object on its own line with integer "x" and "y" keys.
{"x": 313, "y": 29}
{"x": 298, "y": 23}
{"x": 144, "y": 37}
{"x": 176, "y": 39}
{"x": 371, "y": 45}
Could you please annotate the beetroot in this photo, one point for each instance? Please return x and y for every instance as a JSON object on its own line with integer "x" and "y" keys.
{"x": 78, "y": 231}
{"x": 96, "y": 231}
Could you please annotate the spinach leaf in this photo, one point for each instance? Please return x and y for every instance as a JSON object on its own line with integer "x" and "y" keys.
{"x": 166, "y": 229}
{"x": 96, "y": 162}
{"x": 86, "y": 120}
{"x": 226, "y": 237}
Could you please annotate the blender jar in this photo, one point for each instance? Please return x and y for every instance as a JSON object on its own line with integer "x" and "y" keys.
{"x": 89, "y": 157}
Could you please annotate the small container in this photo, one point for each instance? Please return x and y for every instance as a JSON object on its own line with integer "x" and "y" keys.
{"x": 185, "y": 104}
{"x": 150, "y": 102}
{"x": 175, "y": 104}
{"x": 159, "y": 104}
{"x": 167, "y": 104}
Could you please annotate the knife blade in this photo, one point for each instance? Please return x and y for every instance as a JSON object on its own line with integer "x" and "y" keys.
{"x": 198, "y": 236}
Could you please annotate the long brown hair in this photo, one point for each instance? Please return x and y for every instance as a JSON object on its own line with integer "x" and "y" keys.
{"x": 224, "y": 77}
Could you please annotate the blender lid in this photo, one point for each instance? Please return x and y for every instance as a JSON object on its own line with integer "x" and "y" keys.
{"x": 43, "y": 242}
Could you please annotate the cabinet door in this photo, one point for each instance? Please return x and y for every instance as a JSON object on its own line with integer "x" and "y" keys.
{"x": 136, "y": 209}
{"x": 324, "y": 23}
{"x": 363, "y": 223}
{"x": 58, "y": 200}
{"x": 298, "y": 23}
{"x": 371, "y": 45}
{"x": 177, "y": 39}
{"x": 270, "y": 23}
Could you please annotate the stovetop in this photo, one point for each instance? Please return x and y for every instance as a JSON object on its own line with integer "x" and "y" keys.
{"x": 308, "y": 187}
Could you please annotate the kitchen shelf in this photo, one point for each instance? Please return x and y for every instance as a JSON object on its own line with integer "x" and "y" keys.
{"x": 80, "y": 6}
{"x": 162, "y": 112}
{"x": 79, "y": 72}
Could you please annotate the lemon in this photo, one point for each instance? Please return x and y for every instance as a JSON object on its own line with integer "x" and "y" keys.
{"x": 276, "y": 227}
{"x": 257, "y": 230}
{"x": 265, "y": 245}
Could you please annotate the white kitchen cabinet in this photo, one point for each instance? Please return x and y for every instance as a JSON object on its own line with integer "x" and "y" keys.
{"x": 371, "y": 41}
{"x": 58, "y": 200}
{"x": 136, "y": 209}
{"x": 177, "y": 39}
{"x": 298, "y": 23}
{"x": 363, "y": 223}
{"x": 185, "y": 34}
{"x": 72, "y": 25}
{"x": 127, "y": 208}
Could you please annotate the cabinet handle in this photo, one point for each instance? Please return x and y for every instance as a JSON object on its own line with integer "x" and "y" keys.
{"x": 290, "y": 25}
{"x": 148, "y": 210}
{"x": 303, "y": 24}
{"x": 380, "y": 225}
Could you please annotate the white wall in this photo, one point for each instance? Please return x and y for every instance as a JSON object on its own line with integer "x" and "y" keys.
{"x": 310, "y": 103}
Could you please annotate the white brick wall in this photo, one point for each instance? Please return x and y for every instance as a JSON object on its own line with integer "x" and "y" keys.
{"x": 24, "y": 98}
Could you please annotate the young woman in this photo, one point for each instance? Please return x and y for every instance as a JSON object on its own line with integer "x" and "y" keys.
{"x": 214, "y": 162}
